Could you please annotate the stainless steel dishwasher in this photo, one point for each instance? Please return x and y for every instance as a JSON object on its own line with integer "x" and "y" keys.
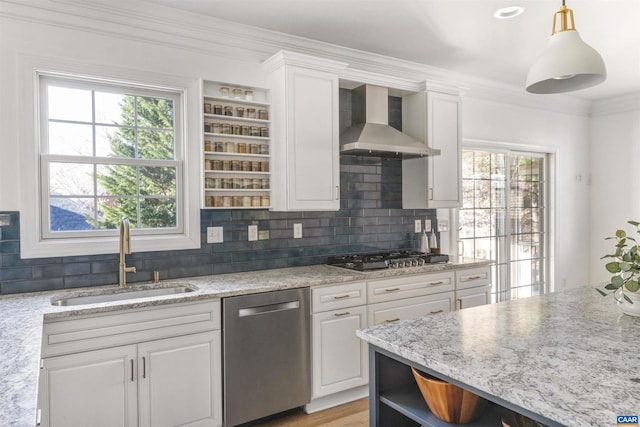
{"x": 266, "y": 346}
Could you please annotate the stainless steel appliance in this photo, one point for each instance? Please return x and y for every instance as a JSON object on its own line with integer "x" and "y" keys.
{"x": 392, "y": 259}
{"x": 266, "y": 354}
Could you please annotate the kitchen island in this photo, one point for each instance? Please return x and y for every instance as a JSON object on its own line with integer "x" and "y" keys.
{"x": 566, "y": 358}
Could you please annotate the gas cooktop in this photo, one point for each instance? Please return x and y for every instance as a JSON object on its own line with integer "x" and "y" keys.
{"x": 379, "y": 260}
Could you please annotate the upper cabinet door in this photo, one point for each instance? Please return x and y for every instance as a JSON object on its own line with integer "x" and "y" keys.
{"x": 433, "y": 182}
{"x": 306, "y": 166}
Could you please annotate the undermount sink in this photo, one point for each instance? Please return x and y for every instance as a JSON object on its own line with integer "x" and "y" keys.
{"x": 120, "y": 294}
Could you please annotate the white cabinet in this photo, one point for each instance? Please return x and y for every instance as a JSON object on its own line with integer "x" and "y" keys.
{"x": 339, "y": 357}
{"x": 473, "y": 287}
{"x": 412, "y": 308}
{"x": 435, "y": 181}
{"x": 175, "y": 381}
{"x": 305, "y": 132}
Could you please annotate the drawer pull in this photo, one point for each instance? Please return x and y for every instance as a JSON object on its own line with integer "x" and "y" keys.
{"x": 436, "y": 283}
{"x": 144, "y": 367}
{"x": 346, "y": 313}
{"x": 392, "y": 320}
{"x": 341, "y": 296}
{"x": 474, "y": 277}
{"x": 132, "y": 379}
{"x": 392, "y": 289}
{"x": 436, "y": 312}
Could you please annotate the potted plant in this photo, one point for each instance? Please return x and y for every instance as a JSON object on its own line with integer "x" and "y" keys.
{"x": 625, "y": 270}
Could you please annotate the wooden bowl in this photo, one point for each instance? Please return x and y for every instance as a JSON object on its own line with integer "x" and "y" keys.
{"x": 448, "y": 402}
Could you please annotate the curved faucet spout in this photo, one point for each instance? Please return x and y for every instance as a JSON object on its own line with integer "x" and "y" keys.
{"x": 124, "y": 248}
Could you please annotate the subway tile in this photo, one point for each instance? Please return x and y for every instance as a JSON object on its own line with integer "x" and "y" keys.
{"x": 15, "y": 273}
{"x": 83, "y": 280}
{"x": 47, "y": 271}
{"x": 19, "y": 286}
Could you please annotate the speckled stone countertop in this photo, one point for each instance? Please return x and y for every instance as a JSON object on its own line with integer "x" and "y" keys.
{"x": 569, "y": 356}
{"x": 22, "y": 317}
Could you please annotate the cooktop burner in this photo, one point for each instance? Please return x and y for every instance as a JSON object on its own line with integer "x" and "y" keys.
{"x": 392, "y": 259}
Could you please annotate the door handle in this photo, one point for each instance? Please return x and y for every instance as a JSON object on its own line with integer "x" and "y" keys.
{"x": 341, "y": 296}
{"x": 474, "y": 277}
{"x": 337, "y": 192}
{"x": 392, "y": 320}
{"x": 144, "y": 367}
{"x": 436, "y": 283}
{"x": 270, "y": 308}
{"x": 346, "y": 313}
{"x": 392, "y": 289}
{"x": 132, "y": 379}
{"x": 436, "y": 312}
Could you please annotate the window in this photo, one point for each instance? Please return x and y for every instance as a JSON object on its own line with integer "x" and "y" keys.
{"x": 108, "y": 151}
{"x": 100, "y": 145}
{"x": 503, "y": 218}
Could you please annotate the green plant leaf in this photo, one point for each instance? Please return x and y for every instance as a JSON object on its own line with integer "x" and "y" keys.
{"x": 603, "y": 293}
{"x": 620, "y": 234}
{"x": 611, "y": 286}
{"x": 627, "y": 298}
{"x": 625, "y": 265}
{"x": 617, "y": 281}
{"x": 632, "y": 286}
{"x": 613, "y": 267}
{"x": 634, "y": 223}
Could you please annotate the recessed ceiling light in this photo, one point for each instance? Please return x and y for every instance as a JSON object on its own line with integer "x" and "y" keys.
{"x": 508, "y": 12}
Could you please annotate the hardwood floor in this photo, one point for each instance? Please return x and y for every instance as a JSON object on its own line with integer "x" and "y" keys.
{"x": 352, "y": 414}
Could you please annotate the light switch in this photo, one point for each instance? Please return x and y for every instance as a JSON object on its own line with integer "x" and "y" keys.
{"x": 253, "y": 233}
{"x": 215, "y": 234}
{"x": 443, "y": 225}
{"x": 297, "y": 231}
{"x": 417, "y": 226}
{"x": 427, "y": 224}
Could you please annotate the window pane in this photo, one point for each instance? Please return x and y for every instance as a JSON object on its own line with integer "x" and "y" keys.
{"x": 72, "y": 179}
{"x": 69, "y": 104}
{"x": 112, "y": 141}
{"x": 155, "y": 113}
{"x": 482, "y": 197}
{"x": 112, "y": 209}
{"x": 114, "y": 109}
{"x": 157, "y": 213}
{"x": 71, "y": 139}
{"x": 71, "y": 213}
{"x": 482, "y": 165}
{"x": 155, "y": 144}
{"x": 157, "y": 181}
{"x": 117, "y": 180}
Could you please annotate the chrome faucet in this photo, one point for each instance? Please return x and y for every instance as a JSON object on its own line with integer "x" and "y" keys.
{"x": 125, "y": 248}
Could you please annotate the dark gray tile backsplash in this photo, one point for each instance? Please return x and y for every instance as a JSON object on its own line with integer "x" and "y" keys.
{"x": 370, "y": 218}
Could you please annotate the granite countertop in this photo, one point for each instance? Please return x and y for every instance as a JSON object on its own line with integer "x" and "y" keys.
{"x": 569, "y": 356}
{"x": 23, "y": 316}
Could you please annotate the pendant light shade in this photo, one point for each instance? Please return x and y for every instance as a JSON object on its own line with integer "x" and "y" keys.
{"x": 569, "y": 63}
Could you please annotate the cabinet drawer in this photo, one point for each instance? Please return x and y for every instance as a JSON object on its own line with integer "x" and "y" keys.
{"x": 409, "y": 286}
{"x": 473, "y": 277}
{"x": 338, "y": 296}
{"x": 129, "y": 326}
{"x": 473, "y": 297}
{"x": 413, "y": 308}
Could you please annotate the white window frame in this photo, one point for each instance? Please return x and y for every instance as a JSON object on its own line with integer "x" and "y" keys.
{"x": 34, "y": 195}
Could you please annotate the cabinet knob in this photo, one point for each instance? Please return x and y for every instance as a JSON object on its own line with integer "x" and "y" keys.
{"x": 392, "y": 320}
{"x": 436, "y": 312}
{"x": 346, "y": 313}
{"x": 341, "y": 296}
{"x": 392, "y": 289}
{"x": 436, "y": 283}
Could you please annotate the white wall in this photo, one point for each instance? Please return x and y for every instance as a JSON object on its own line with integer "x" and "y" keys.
{"x": 615, "y": 178}
{"x": 567, "y": 136}
{"x": 201, "y": 49}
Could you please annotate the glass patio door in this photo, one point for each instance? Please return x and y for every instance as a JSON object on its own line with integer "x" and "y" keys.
{"x": 503, "y": 219}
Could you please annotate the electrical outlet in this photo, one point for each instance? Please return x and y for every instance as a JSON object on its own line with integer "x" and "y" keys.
{"x": 215, "y": 234}
{"x": 417, "y": 226}
{"x": 443, "y": 225}
{"x": 427, "y": 224}
{"x": 297, "y": 231}
{"x": 253, "y": 233}
{"x": 263, "y": 235}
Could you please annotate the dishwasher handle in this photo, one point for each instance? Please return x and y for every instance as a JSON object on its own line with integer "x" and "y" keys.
{"x": 270, "y": 308}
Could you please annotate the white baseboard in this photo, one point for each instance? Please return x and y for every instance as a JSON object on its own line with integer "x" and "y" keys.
{"x": 336, "y": 399}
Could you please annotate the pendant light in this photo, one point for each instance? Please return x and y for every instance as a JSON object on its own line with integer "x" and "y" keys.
{"x": 569, "y": 63}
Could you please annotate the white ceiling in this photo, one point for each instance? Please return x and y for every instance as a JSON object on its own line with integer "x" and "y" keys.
{"x": 457, "y": 35}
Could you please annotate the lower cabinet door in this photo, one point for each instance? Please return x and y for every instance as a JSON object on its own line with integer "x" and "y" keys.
{"x": 412, "y": 308}
{"x": 180, "y": 381}
{"x": 95, "y": 388}
{"x": 340, "y": 358}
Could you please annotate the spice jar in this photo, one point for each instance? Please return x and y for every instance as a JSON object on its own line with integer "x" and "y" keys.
{"x": 208, "y": 182}
{"x": 239, "y": 111}
{"x": 207, "y": 127}
{"x": 207, "y": 108}
{"x": 242, "y": 147}
{"x": 265, "y": 201}
{"x": 251, "y": 113}
{"x": 217, "y": 165}
{"x": 235, "y": 129}
{"x": 246, "y": 201}
{"x": 255, "y": 131}
{"x": 246, "y": 166}
{"x": 224, "y": 91}
{"x": 217, "y": 201}
{"x": 226, "y": 165}
{"x": 264, "y": 148}
{"x": 263, "y": 114}
{"x": 237, "y": 183}
{"x": 226, "y": 128}
{"x": 264, "y": 166}
{"x": 255, "y": 166}
{"x": 244, "y": 130}
{"x": 246, "y": 183}
{"x": 264, "y": 184}
{"x": 256, "y": 184}
{"x": 218, "y": 146}
{"x": 237, "y": 93}
{"x": 216, "y": 128}
{"x": 248, "y": 95}
{"x": 235, "y": 166}
{"x": 217, "y": 182}
{"x": 253, "y": 149}
{"x": 264, "y": 132}
{"x": 255, "y": 201}
{"x": 217, "y": 109}
{"x": 226, "y": 201}
{"x": 208, "y": 164}
{"x": 207, "y": 145}
{"x": 228, "y": 110}
{"x": 229, "y": 147}
{"x": 227, "y": 183}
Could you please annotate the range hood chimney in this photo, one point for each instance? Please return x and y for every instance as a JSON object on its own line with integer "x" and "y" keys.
{"x": 371, "y": 134}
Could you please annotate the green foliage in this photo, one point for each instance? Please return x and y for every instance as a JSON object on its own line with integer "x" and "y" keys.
{"x": 146, "y": 194}
{"x": 625, "y": 267}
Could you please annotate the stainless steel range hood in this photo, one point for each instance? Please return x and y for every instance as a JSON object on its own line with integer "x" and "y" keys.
{"x": 371, "y": 134}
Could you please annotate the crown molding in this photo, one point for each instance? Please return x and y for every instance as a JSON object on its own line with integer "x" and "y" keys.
{"x": 177, "y": 29}
{"x": 616, "y": 105}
